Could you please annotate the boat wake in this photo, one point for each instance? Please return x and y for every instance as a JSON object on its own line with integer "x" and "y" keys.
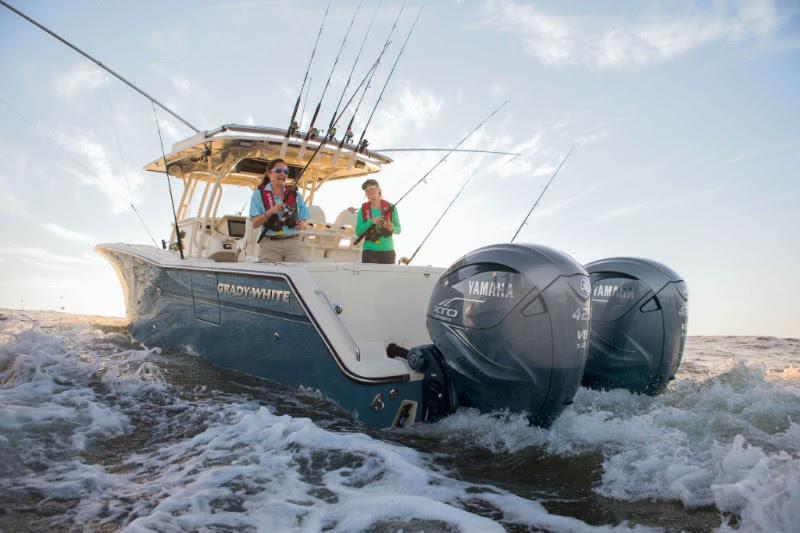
{"x": 98, "y": 432}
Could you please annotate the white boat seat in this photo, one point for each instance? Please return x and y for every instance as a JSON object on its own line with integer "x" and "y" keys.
{"x": 316, "y": 214}
{"x": 346, "y": 218}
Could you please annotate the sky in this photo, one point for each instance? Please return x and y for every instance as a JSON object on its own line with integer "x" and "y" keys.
{"x": 685, "y": 117}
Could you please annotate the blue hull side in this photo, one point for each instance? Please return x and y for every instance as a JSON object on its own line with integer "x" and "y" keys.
{"x": 264, "y": 330}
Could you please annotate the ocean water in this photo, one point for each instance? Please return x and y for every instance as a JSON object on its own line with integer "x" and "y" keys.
{"x": 100, "y": 433}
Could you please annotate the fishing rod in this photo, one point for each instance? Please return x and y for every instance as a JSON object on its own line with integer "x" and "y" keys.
{"x": 328, "y": 133}
{"x": 305, "y": 101}
{"x": 542, "y": 193}
{"x": 380, "y": 96}
{"x": 493, "y": 152}
{"x": 349, "y": 101}
{"x": 463, "y": 186}
{"x": 358, "y": 55}
{"x": 442, "y": 160}
{"x": 99, "y": 64}
{"x": 305, "y": 79}
{"x": 349, "y": 132}
{"x": 333, "y": 68}
{"x": 169, "y": 184}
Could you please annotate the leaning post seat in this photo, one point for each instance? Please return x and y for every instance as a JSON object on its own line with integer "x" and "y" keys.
{"x": 330, "y": 242}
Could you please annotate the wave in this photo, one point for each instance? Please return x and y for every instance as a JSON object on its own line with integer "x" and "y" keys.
{"x": 97, "y": 431}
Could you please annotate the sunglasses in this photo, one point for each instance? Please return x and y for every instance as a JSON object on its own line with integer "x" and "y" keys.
{"x": 280, "y": 171}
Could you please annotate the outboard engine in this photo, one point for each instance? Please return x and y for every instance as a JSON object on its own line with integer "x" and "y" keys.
{"x": 510, "y": 325}
{"x": 639, "y": 314}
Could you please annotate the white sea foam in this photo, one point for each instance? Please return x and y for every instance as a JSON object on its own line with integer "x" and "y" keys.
{"x": 289, "y": 473}
{"x": 726, "y": 434}
{"x": 243, "y": 467}
{"x": 731, "y": 439}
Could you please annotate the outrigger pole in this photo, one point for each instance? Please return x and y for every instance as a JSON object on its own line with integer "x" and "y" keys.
{"x": 99, "y": 64}
{"x": 328, "y": 81}
{"x": 463, "y": 186}
{"x": 380, "y": 96}
{"x": 348, "y": 131}
{"x": 542, "y": 193}
{"x": 442, "y": 160}
{"x": 358, "y": 55}
{"x": 291, "y": 128}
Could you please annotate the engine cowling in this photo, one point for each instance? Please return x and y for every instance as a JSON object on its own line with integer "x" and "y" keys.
{"x": 511, "y": 323}
{"x": 638, "y": 328}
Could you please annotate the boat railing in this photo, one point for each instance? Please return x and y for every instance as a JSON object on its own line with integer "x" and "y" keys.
{"x": 345, "y": 329}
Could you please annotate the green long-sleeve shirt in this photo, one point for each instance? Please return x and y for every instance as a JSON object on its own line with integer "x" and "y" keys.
{"x": 384, "y": 244}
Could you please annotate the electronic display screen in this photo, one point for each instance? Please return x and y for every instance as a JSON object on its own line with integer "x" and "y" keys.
{"x": 236, "y": 228}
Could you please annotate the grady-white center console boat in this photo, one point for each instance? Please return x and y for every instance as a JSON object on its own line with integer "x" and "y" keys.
{"x": 506, "y": 327}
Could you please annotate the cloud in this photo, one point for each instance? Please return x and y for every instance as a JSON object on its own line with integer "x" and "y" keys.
{"x": 42, "y": 257}
{"x": 415, "y": 108}
{"x": 583, "y": 140}
{"x": 42, "y": 282}
{"x": 11, "y": 205}
{"x": 541, "y": 211}
{"x": 767, "y": 150}
{"x": 545, "y": 169}
{"x": 170, "y": 130}
{"x": 238, "y": 5}
{"x": 622, "y": 211}
{"x": 531, "y": 146}
{"x": 81, "y": 77}
{"x": 534, "y": 160}
{"x": 121, "y": 189}
{"x": 555, "y": 207}
{"x": 67, "y": 234}
{"x": 497, "y": 89}
{"x": 549, "y": 38}
{"x": 541, "y": 154}
{"x": 183, "y": 85}
{"x": 610, "y": 44}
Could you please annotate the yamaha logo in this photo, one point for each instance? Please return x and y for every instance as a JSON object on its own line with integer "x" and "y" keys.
{"x": 585, "y": 287}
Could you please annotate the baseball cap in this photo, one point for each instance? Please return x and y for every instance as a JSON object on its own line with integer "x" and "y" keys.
{"x": 369, "y": 183}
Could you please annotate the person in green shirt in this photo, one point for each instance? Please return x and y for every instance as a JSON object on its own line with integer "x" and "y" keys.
{"x": 379, "y": 220}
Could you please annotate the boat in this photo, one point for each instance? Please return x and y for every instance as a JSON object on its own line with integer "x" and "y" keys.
{"x": 506, "y": 327}
{"x": 332, "y": 324}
